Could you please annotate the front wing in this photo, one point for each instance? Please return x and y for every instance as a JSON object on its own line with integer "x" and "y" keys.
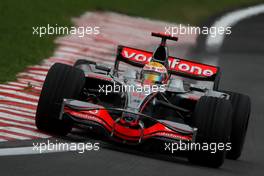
{"x": 118, "y": 128}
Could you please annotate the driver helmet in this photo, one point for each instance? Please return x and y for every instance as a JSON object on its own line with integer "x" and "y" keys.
{"x": 154, "y": 72}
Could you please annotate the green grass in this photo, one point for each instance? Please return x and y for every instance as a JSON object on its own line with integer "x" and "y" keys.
{"x": 19, "y": 48}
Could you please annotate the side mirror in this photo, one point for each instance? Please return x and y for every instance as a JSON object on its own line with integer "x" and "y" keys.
{"x": 103, "y": 67}
{"x": 154, "y": 101}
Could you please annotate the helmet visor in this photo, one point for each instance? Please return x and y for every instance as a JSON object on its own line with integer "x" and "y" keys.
{"x": 152, "y": 76}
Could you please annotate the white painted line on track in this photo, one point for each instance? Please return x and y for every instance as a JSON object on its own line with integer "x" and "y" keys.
{"x": 16, "y": 117}
{"x": 214, "y": 43}
{"x": 16, "y": 123}
{"x": 7, "y": 98}
{"x": 17, "y": 111}
{"x": 17, "y": 93}
{"x": 26, "y": 132}
{"x": 33, "y": 82}
{"x": 10, "y": 87}
{"x": 35, "y": 76}
{"x": 13, "y": 135}
{"x": 25, "y": 151}
{"x": 23, "y": 85}
{"x": 17, "y": 108}
{"x": 41, "y": 73}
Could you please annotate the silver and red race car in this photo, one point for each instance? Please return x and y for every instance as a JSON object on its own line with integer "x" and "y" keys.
{"x": 185, "y": 107}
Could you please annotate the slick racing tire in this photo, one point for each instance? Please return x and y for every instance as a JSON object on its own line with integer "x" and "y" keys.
{"x": 62, "y": 81}
{"x": 212, "y": 117}
{"x": 241, "y": 112}
{"x": 83, "y": 61}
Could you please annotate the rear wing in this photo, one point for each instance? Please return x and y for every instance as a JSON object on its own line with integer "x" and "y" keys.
{"x": 177, "y": 66}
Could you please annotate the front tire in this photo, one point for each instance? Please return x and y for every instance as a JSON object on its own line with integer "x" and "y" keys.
{"x": 62, "y": 81}
{"x": 241, "y": 112}
{"x": 212, "y": 117}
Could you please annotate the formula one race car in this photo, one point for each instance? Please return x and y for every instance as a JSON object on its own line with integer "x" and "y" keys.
{"x": 147, "y": 96}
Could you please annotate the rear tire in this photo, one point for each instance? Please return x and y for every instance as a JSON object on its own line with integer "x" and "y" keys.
{"x": 62, "y": 81}
{"x": 213, "y": 117}
{"x": 241, "y": 112}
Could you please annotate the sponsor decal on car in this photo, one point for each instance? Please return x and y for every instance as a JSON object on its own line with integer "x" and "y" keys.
{"x": 174, "y": 136}
{"x": 89, "y": 115}
{"x": 175, "y": 64}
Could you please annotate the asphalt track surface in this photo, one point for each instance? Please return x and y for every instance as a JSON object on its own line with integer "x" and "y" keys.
{"x": 242, "y": 64}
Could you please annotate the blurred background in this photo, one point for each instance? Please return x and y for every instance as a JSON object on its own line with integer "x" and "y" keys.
{"x": 19, "y": 48}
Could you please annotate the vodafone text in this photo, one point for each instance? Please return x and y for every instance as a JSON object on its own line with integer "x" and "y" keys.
{"x": 174, "y": 64}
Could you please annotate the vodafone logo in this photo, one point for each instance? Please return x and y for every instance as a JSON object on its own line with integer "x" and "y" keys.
{"x": 136, "y": 55}
{"x": 191, "y": 67}
{"x": 175, "y": 64}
